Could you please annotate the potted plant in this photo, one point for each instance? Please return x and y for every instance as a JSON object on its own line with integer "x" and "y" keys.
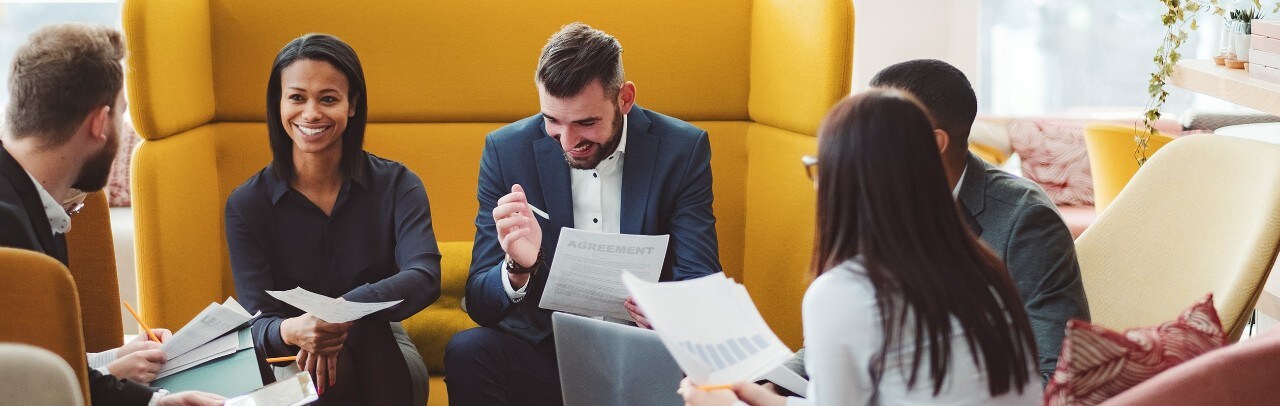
{"x": 1242, "y": 20}
{"x": 1179, "y": 19}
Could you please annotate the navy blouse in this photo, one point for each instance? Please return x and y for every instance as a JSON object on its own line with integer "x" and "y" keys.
{"x": 377, "y": 245}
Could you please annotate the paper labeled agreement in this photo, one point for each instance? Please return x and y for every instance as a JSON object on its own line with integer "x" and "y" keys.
{"x": 586, "y": 275}
{"x": 213, "y": 322}
{"x": 333, "y": 310}
{"x": 711, "y": 327}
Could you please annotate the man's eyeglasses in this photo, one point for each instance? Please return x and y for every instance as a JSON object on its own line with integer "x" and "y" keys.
{"x": 810, "y": 166}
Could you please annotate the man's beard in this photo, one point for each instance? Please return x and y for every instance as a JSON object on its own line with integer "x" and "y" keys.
{"x": 605, "y": 149}
{"x": 94, "y": 173}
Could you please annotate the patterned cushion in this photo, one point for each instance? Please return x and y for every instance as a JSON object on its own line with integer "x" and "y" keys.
{"x": 1097, "y": 363}
{"x": 1054, "y": 156}
{"x": 118, "y": 183}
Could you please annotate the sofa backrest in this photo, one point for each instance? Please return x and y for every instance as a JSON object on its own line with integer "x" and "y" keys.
{"x": 443, "y": 74}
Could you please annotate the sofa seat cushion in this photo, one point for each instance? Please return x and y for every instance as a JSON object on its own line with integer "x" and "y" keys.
{"x": 431, "y": 328}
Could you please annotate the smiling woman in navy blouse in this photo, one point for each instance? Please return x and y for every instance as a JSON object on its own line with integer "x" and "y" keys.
{"x": 331, "y": 218}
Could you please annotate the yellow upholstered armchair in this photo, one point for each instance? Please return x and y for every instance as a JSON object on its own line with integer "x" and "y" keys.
{"x": 1111, "y": 158}
{"x": 42, "y": 308}
{"x": 92, "y": 261}
{"x": 758, "y": 75}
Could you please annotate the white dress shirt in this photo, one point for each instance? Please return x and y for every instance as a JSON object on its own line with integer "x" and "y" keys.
{"x": 59, "y": 220}
{"x": 597, "y": 201}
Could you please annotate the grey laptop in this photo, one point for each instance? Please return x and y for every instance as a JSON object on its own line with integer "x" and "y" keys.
{"x": 605, "y": 363}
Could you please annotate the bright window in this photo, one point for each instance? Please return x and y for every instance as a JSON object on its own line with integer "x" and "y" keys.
{"x": 19, "y": 19}
{"x": 1042, "y": 57}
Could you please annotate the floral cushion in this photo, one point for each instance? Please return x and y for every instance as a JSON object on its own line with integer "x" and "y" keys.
{"x": 118, "y": 183}
{"x": 1098, "y": 363}
{"x": 1054, "y": 156}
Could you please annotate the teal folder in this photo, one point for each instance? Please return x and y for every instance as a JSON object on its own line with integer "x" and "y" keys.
{"x": 228, "y": 376}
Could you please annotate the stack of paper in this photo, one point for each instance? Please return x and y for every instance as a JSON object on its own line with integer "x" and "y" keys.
{"x": 204, "y": 338}
{"x": 332, "y": 310}
{"x": 711, "y": 327}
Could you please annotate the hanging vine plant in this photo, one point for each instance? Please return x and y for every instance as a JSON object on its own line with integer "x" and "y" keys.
{"x": 1179, "y": 20}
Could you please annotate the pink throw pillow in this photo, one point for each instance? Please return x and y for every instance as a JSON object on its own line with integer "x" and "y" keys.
{"x": 1098, "y": 363}
{"x": 1054, "y": 156}
{"x": 118, "y": 191}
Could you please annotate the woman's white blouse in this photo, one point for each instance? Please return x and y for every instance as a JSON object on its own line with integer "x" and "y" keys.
{"x": 843, "y": 335}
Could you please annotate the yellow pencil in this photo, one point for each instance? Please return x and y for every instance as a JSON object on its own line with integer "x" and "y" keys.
{"x": 715, "y": 387}
{"x": 281, "y": 359}
{"x": 139, "y": 319}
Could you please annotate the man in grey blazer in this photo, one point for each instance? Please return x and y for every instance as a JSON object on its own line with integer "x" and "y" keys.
{"x": 1012, "y": 215}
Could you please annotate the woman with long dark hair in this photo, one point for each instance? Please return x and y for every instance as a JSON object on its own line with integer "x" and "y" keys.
{"x": 908, "y": 305}
{"x": 330, "y": 218}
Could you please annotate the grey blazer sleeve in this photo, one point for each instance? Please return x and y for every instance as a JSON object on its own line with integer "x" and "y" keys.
{"x": 1041, "y": 249}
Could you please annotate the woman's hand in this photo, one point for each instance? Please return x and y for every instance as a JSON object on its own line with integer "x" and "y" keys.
{"x": 324, "y": 368}
{"x": 314, "y": 335}
{"x": 698, "y": 397}
{"x": 747, "y": 392}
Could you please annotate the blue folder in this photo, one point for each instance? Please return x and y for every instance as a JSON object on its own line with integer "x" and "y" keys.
{"x": 228, "y": 376}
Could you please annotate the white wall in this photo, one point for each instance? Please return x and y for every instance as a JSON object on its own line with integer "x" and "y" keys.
{"x": 891, "y": 31}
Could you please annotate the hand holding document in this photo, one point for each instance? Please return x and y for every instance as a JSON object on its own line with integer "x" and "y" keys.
{"x": 332, "y": 310}
{"x": 711, "y": 327}
{"x": 586, "y": 275}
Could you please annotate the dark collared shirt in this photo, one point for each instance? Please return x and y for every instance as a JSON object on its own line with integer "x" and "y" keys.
{"x": 376, "y": 245}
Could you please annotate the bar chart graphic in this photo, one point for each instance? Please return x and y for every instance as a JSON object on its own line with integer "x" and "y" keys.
{"x": 723, "y": 354}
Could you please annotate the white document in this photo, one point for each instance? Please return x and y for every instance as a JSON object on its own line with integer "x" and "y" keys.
{"x": 295, "y": 391}
{"x": 586, "y": 275}
{"x": 332, "y": 310}
{"x": 215, "y": 321}
{"x": 221, "y": 346}
{"x": 711, "y": 327}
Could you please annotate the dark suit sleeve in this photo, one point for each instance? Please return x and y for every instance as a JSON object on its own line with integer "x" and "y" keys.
{"x": 487, "y": 301}
{"x": 693, "y": 224}
{"x": 252, "y": 274}
{"x": 11, "y": 228}
{"x": 107, "y": 390}
{"x": 1041, "y": 249}
{"x": 417, "y": 256}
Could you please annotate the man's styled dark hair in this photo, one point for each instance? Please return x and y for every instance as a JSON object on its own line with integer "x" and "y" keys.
{"x": 330, "y": 49}
{"x": 577, "y": 55}
{"x": 943, "y": 89}
{"x": 62, "y": 73}
{"x": 883, "y": 199}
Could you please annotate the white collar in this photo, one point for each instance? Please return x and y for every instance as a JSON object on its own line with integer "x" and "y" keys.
{"x": 955, "y": 193}
{"x": 59, "y": 220}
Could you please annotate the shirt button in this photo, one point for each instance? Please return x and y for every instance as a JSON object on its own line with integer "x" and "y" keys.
{"x": 594, "y": 175}
{"x": 595, "y": 220}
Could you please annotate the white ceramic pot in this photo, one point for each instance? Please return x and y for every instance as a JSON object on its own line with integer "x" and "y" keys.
{"x": 1242, "y": 46}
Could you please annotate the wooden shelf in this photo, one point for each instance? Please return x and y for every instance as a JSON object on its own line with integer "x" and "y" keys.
{"x": 1233, "y": 85}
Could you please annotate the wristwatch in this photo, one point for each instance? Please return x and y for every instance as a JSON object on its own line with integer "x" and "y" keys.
{"x": 515, "y": 269}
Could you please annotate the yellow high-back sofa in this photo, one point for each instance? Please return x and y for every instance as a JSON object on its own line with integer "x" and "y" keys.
{"x": 757, "y": 75}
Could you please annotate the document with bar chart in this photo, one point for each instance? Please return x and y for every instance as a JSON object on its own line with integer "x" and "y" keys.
{"x": 711, "y": 327}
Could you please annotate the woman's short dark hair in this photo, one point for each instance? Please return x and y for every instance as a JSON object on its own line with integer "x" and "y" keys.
{"x": 577, "y": 55}
{"x": 330, "y": 49}
{"x": 883, "y": 198}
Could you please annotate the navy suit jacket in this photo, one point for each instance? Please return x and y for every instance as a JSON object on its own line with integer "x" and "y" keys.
{"x": 666, "y": 189}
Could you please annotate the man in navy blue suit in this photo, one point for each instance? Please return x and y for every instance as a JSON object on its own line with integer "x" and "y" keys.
{"x": 596, "y": 161}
